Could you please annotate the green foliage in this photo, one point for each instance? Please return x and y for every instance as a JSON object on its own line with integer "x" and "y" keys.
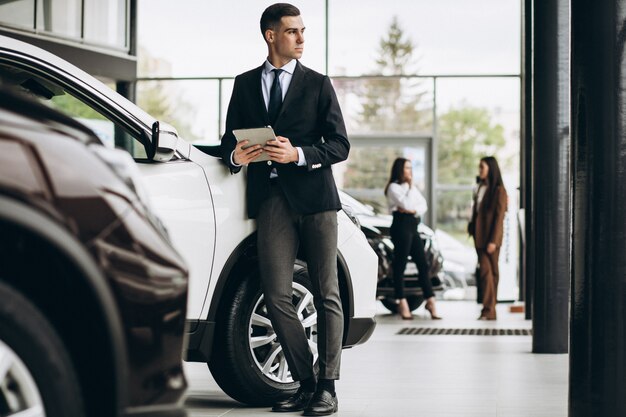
{"x": 370, "y": 167}
{"x": 454, "y": 209}
{"x": 388, "y": 105}
{"x": 154, "y": 101}
{"x": 465, "y": 135}
{"x": 395, "y": 51}
{"x": 67, "y": 104}
{"x": 393, "y": 104}
{"x": 162, "y": 99}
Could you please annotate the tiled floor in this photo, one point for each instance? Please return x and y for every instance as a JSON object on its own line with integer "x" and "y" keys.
{"x": 435, "y": 376}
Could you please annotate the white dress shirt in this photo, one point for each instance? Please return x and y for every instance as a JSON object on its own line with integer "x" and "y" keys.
{"x": 406, "y": 197}
{"x": 480, "y": 194}
{"x": 267, "y": 78}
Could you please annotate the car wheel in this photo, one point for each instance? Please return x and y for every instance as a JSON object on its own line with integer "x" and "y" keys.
{"x": 414, "y": 302}
{"x": 37, "y": 378}
{"x": 390, "y": 304}
{"x": 248, "y": 362}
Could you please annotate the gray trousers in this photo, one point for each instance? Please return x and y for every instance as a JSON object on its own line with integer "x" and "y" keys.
{"x": 280, "y": 233}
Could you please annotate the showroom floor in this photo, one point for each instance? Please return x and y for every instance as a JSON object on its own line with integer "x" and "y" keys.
{"x": 428, "y": 375}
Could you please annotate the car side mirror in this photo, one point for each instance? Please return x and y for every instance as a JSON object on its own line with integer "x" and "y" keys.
{"x": 163, "y": 144}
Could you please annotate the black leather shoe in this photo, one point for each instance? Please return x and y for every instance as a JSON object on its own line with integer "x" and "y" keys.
{"x": 323, "y": 403}
{"x": 297, "y": 402}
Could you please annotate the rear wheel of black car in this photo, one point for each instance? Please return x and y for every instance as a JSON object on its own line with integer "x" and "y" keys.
{"x": 247, "y": 361}
{"x": 37, "y": 376}
{"x": 414, "y": 302}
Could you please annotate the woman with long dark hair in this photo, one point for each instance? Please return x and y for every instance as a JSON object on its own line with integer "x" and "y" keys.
{"x": 486, "y": 227}
{"x": 407, "y": 204}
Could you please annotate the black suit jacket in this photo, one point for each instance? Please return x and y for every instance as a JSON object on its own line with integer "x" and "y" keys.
{"x": 311, "y": 118}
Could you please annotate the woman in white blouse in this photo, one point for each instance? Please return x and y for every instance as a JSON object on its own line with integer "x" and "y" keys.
{"x": 407, "y": 204}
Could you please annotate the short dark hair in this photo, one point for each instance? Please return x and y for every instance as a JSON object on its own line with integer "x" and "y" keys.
{"x": 270, "y": 19}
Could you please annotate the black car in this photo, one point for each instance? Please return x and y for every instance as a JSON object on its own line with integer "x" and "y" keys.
{"x": 92, "y": 295}
{"x": 376, "y": 229}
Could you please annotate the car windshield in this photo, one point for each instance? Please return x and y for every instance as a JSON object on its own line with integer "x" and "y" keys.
{"x": 356, "y": 205}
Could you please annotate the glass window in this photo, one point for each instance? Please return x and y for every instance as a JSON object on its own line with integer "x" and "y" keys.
{"x": 110, "y": 133}
{"x": 448, "y": 36}
{"x": 18, "y": 13}
{"x": 190, "y": 106}
{"x": 106, "y": 22}
{"x": 386, "y": 105}
{"x": 220, "y": 39}
{"x": 454, "y": 210}
{"x": 61, "y": 17}
{"x": 54, "y": 95}
{"x": 227, "y": 90}
{"x": 470, "y": 125}
{"x": 366, "y": 172}
{"x": 431, "y": 55}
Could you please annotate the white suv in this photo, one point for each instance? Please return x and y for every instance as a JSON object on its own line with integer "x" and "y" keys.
{"x": 203, "y": 208}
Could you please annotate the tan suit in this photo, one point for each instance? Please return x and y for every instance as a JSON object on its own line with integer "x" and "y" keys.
{"x": 487, "y": 226}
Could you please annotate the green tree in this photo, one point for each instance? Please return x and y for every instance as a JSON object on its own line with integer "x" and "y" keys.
{"x": 392, "y": 104}
{"x": 153, "y": 99}
{"x": 465, "y": 134}
{"x": 389, "y": 104}
{"x": 370, "y": 166}
{"x": 76, "y": 108}
{"x": 161, "y": 99}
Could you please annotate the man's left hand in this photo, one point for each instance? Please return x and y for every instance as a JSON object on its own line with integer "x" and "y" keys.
{"x": 491, "y": 248}
{"x": 281, "y": 150}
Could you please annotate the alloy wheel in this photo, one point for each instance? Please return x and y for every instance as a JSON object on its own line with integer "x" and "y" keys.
{"x": 19, "y": 394}
{"x": 266, "y": 350}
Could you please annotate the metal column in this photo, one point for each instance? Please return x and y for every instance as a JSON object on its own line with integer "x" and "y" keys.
{"x": 598, "y": 309}
{"x": 551, "y": 197}
{"x": 526, "y": 158}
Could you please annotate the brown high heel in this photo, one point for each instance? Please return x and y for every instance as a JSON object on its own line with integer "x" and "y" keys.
{"x": 430, "y": 308}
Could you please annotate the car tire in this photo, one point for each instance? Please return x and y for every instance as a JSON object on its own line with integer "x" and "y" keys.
{"x": 414, "y": 302}
{"x": 247, "y": 360}
{"x": 37, "y": 373}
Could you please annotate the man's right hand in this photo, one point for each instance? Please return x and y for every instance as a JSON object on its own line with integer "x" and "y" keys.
{"x": 245, "y": 156}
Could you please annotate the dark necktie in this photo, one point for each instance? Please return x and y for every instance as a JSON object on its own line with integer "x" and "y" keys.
{"x": 276, "y": 97}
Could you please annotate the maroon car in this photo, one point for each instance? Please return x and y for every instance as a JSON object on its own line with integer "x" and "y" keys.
{"x": 92, "y": 294}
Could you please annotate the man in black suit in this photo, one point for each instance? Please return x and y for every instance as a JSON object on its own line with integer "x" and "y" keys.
{"x": 293, "y": 197}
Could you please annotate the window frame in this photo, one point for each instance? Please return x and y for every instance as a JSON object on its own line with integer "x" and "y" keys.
{"x": 83, "y": 92}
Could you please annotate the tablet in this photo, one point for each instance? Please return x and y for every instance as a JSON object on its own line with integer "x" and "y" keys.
{"x": 256, "y": 136}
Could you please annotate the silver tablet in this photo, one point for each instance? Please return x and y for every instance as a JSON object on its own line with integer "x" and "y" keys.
{"x": 256, "y": 136}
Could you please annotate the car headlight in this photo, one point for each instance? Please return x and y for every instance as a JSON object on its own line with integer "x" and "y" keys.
{"x": 125, "y": 167}
{"x": 434, "y": 244}
{"x": 350, "y": 213}
{"x": 387, "y": 241}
